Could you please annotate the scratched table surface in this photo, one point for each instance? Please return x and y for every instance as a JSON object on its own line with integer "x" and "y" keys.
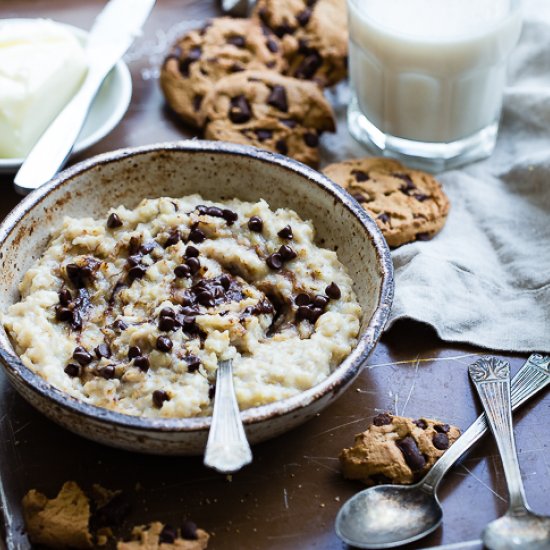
{"x": 288, "y": 498}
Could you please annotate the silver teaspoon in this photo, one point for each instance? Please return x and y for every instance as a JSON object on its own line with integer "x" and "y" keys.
{"x": 227, "y": 449}
{"x": 519, "y": 528}
{"x": 390, "y": 515}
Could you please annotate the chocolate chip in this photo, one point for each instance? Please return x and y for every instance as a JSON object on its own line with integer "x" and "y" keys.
{"x": 194, "y": 265}
{"x": 442, "y": 428}
{"x": 311, "y": 139}
{"x": 206, "y": 299}
{"x": 191, "y": 252}
{"x": 277, "y": 98}
{"x": 137, "y": 272}
{"x": 314, "y": 314}
{"x": 333, "y": 291}
{"x": 63, "y": 314}
{"x": 103, "y": 350}
{"x": 72, "y": 370}
{"x": 65, "y": 296}
{"x": 133, "y": 352}
{"x": 320, "y": 301}
{"x": 272, "y": 45}
{"x": 189, "y": 530}
{"x": 215, "y": 212}
{"x": 289, "y": 122}
{"x": 193, "y": 55}
{"x": 113, "y": 221}
{"x": 197, "y": 236}
{"x": 236, "y": 68}
{"x": 133, "y": 245}
{"x": 202, "y": 209}
{"x": 225, "y": 281}
{"x": 420, "y": 423}
{"x": 420, "y": 197}
{"x": 74, "y": 273}
{"x": 193, "y": 363}
{"x": 409, "y": 184}
{"x": 441, "y": 441}
{"x": 309, "y": 66}
{"x": 285, "y": 232}
{"x": 134, "y": 260}
{"x": 360, "y": 175}
{"x": 119, "y": 324}
{"x": 229, "y": 216}
{"x": 384, "y": 218}
{"x": 197, "y": 102}
{"x": 82, "y": 356}
{"x": 211, "y": 391}
{"x": 159, "y": 397}
{"x": 281, "y": 146}
{"x": 302, "y": 313}
{"x": 167, "y": 312}
{"x": 411, "y": 453}
{"x": 310, "y": 3}
{"x": 303, "y": 17}
{"x": 255, "y": 224}
{"x": 167, "y": 324}
{"x": 423, "y": 236}
{"x": 274, "y": 261}
{"x": 262, "y": 134}
{"x": 283, "y": 29}
{"x": 147, "y": 247}
{"x": 142, "y": 363}
{"x": 382, "y": 419}
{"x": 237, "y": 40}
{"x": 302, "y": 299}
{"x": 182, "y": 271}
{"x": 173, "y": 238}
{"x": 263, "y": 307}
{"x": 107, "y": 372}
{"x": 287, "y": 253}
{"x": 239, "y": 111}
{"x": 164, "y": 344}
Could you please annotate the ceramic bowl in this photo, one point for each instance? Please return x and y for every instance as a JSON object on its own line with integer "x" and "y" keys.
{"x": 218, "y": 171}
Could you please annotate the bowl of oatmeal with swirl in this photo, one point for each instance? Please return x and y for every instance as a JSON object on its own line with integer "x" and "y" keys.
{"x": 128, "y": 278}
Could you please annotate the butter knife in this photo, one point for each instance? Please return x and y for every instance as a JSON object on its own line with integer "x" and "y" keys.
{"x": 113, "y": 32}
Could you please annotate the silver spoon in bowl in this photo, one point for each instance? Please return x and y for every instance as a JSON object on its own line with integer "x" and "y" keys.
{"x": 386, "y": 516}
{"x": 227, "y": 449}
{"x": 519, "y": 528}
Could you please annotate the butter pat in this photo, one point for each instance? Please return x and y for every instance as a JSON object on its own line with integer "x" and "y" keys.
{"x": 42, "y": 65}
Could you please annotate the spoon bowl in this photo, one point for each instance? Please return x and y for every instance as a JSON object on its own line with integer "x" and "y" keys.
{"x": 388, "y": 515}
{"x": 522, "y": 530}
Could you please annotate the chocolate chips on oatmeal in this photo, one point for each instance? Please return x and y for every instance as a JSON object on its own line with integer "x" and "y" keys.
{"x": 114, "y": 221}
{"x": 164, "y": 344}
{"x": 333, "y": 291}
{"x": 255, "y": 224}
{"x": 159, "y": 397}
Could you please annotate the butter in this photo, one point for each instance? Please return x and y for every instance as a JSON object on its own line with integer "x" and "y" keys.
{"x": 42, "y": 65}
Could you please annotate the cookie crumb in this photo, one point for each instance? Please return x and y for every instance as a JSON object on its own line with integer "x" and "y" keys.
{"x": 157, "y": 535}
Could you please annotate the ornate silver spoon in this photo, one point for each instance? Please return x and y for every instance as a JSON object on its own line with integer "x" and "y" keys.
{"x": 390, "y": 515}
{"x": 519, "y": 528}
{"x": 227, "y": 449}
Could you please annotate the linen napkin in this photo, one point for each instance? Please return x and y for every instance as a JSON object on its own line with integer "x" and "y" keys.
{"x": 485, "y": 279}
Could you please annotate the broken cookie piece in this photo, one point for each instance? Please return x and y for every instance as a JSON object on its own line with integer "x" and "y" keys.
{"x": 158, "y": 536}
{"x": 395, "y": 449}
{"x": 61, "y": 522}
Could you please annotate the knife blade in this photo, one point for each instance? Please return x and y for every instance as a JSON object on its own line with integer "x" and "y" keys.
{"x": 112, "y": 33}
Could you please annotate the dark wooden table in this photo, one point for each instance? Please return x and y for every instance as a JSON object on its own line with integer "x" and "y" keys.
{"x": 288, "y": 498}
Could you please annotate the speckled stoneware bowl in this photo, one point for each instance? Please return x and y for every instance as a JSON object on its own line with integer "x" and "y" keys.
{"x": 218, "y": 171}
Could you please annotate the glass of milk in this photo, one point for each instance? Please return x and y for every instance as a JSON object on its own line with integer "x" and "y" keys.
{"x": 428, "y": 76}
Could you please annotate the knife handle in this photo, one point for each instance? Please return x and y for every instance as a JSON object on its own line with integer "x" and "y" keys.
{"x": 53, "y": 148}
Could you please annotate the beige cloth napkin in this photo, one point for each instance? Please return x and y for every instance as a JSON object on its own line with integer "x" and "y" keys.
{"x": 485, "y": 279}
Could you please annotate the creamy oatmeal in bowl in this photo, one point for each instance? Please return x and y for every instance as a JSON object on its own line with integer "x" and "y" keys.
{"x": 299, "y": 328}
{"x": 133, "y": 311}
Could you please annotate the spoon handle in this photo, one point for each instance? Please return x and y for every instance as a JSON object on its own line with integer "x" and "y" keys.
{"x": 227, "y": 449}
{"x": 491, "y": 377}
{"x": 533, "y": 376}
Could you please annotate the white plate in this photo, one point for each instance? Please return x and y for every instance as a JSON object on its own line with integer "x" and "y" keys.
{"x": 107, "y": 110}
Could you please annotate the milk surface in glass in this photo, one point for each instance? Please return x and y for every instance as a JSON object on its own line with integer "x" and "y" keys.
{"x": 430, "y": 71}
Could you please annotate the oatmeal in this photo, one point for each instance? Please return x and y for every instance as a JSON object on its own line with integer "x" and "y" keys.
{"x": 134, "y": 311}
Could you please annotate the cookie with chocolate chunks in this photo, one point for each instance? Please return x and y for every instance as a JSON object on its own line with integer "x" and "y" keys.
{"x": 203, "y": 56}
{"x": 395, "y": 449}
{"x": 408, "y": 205}
{"x": 270, "y": 111}
{"x": 313, "y": 34}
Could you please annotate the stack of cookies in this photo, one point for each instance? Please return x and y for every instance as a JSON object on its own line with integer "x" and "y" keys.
{"x": 259, "y": 81}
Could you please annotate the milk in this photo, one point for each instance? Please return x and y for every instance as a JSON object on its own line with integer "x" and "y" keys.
{"x": 431, "y": 70}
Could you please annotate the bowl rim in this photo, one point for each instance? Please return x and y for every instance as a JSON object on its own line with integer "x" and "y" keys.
{"x": 345, "y": 372}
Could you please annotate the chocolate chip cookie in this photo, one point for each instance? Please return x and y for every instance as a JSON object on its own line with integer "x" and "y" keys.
{"x": 270, "y": 111}
{"x": 314, "y": 36}
{"x": 395, "y": 449}
{"x": 201, "y": 57}
{"x": 156, "y": 536}
{"x": 407, "y": 204}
